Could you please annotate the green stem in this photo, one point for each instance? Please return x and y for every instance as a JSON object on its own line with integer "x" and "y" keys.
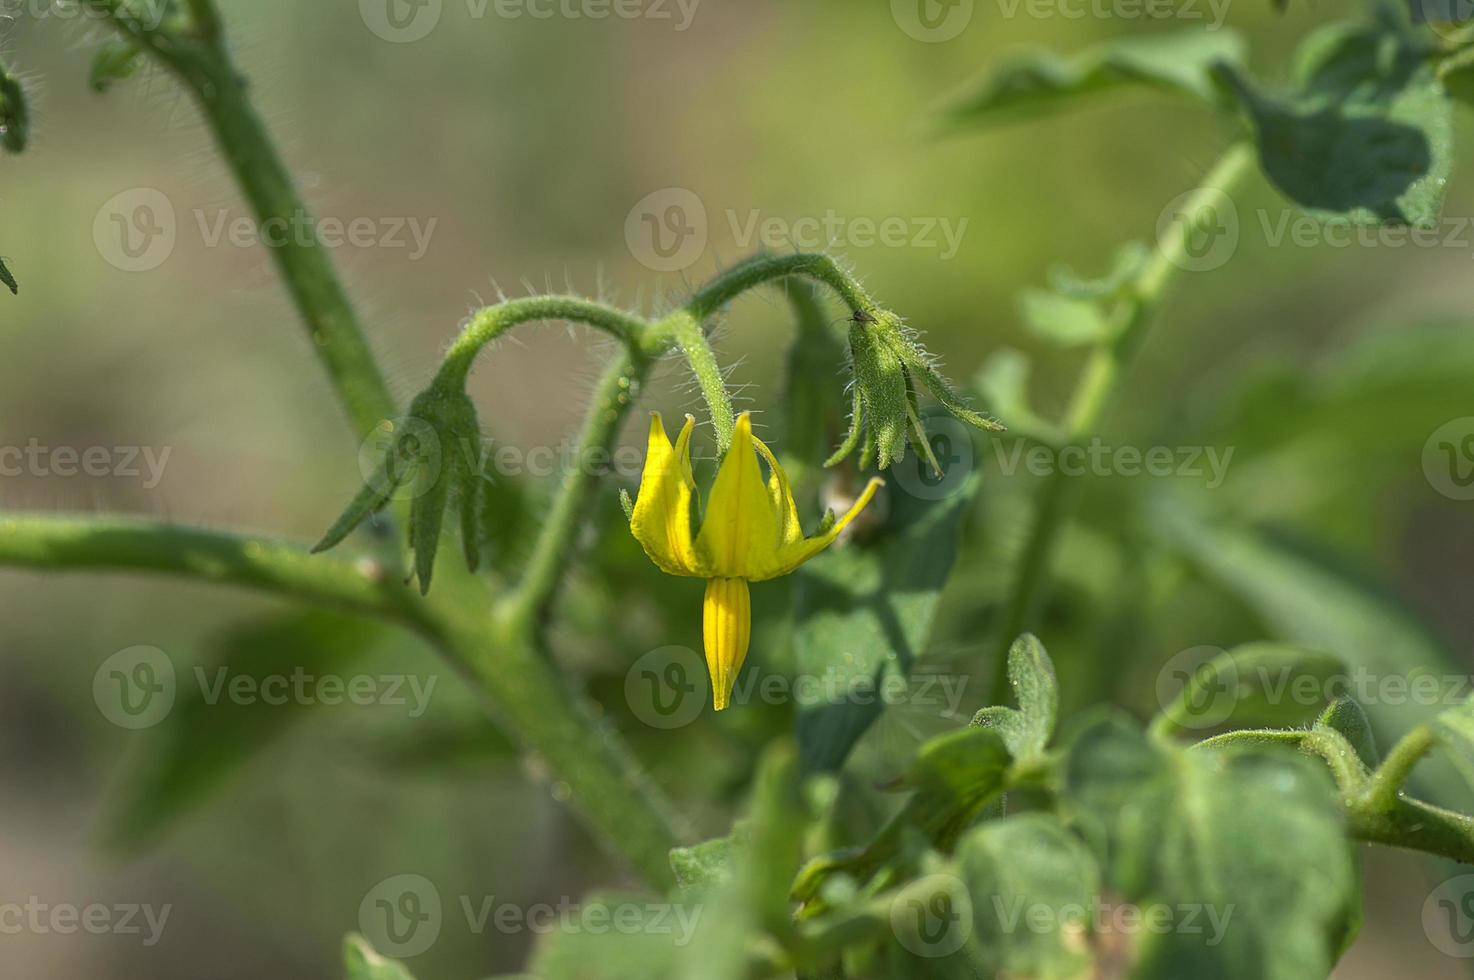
{"x": 1098, "y": 385}
{"x": 557, "y": 726}
{"x": 691, "y": 339}
{"x": 1417, "y": 826}
{"x": 612, "y": 401}
{"x": 493, "y": 321}
{"x": 60, "y": 544}
{"x": 769, "y": 268}
{"x": 1384, "y": 788}
{"x": 304, "y": 264}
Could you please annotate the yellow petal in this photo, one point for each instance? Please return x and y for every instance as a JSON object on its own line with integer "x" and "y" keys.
{"x": 793, "y": 555}
{"x": 661, "y": 521}
{"x": 741, "y": 532}
{"x": 782, "y": 496}
{"x": 726, "y": 622}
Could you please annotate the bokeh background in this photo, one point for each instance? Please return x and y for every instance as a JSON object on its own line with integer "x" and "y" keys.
{"x": 524, "y": 145}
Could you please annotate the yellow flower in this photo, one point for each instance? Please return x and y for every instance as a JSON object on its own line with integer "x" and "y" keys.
{"x": 750, "y": 533}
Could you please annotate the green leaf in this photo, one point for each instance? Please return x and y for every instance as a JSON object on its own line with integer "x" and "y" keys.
{"x": 363, "y": 963}
{"x": 1062, "y": 320}
{"x": 1003, "y": 385}
{"x": 639, "y": 950}
{"x": 1306, "y": 596}
{"x": 1033, "y": 884}
{"x": 1254, "y": 840}
{"x": 954, "y": 777}
{"x": 1026, "y": 731}
{"x": 209, "y": 735}
{"x": 1125, "y": 267}
{"x": 8, "y": 279}
{"x": 1256, "y": 685}
{"x": 1367, "y": 138}
{"x": 114, "y": 62}
{"x": 862, "y": 613}
{"x": 701, "y": 866}
{"x": 1038, "y": 83}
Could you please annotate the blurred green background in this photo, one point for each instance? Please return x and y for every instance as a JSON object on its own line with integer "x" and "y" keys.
{"x": 528, "y": 142}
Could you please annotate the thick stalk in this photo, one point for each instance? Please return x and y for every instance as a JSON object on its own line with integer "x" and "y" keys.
{"x": 1096, "y": 389}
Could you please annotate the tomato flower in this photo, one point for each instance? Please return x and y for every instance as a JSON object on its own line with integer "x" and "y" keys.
{"x": 750, "y": 533}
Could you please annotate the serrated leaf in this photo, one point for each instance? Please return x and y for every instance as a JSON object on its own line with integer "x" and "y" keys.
{"x": 1178, "y": 829}
{"x": 8, "y": 279}
{"x": 1033, "y": 884}
{"x": 1037, "y": 83}
{"x": 1062, "y": 320}
{"x": 1367, "y": 138}
{"x": 363, "y": 963}
{"x": 864, "y": 612}
{"x": 209, "y": 735}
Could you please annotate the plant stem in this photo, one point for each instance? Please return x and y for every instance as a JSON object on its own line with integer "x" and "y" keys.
{"x": 493, "y": 321}
{"x": 1385, "y": 786}
{"x": 1099, "y": 382}
{"x": 205, "y": 68}
{"x": 613, "y": 398}
{"x": 62, "y": 544}
{"x": 768, "y": 268}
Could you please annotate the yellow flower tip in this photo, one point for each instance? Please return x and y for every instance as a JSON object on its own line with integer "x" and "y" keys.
{"x": 726, "y": 621}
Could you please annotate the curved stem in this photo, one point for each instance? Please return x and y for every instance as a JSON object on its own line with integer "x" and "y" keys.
{"x": 612, "y": 401}
{"x": 61, "y": 544}
{"x": 768, "y": 268}
{"x": 1094, "y": 392}
{"x": 493, "y": 321}
{"x": 1384, "y": 788}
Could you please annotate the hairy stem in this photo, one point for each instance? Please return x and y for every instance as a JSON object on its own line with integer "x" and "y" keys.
{"x": 332, "y": 325}
{"x": 613, "y": 399}
{"x": 493, "y": 321}
{"x": 60, "y": 544}
{"x": 1097, "y": 387}
{"x": 1384, "y": 788}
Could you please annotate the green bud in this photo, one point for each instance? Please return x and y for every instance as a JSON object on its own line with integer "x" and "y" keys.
{"x": 887, "y": 363}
